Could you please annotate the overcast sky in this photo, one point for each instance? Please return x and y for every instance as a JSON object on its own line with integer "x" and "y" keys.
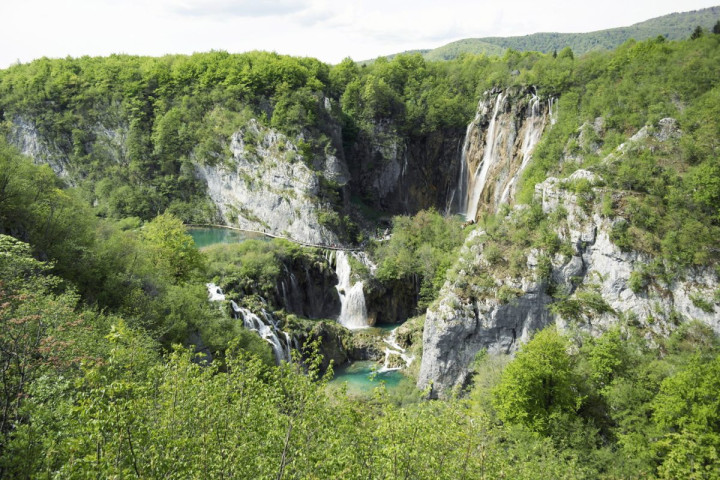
{"x": 327, "y": 29}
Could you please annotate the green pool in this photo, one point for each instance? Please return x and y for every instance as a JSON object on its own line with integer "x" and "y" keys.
{"x": 206, "y": 236}
{"x": 361, "y": 378}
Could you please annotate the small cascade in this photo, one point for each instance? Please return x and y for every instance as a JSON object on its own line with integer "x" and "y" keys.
{"x": 215, "y": 294}
{"x": 394, "y": 349}
{"x": 353, "y": 312}
{"x": 267, "y": 330}
{"x": 553, "y": 114}
{"x": 364, "y": 258}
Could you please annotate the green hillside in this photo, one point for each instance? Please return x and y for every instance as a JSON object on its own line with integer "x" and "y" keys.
{"x": 102, "y": 292}
{"x": 675, "y": 26}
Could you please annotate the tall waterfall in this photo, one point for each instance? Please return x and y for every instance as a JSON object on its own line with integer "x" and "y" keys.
{"x": 353, "y": 312}
{"x": 267, "y": 329}
{"x": 463, "y": 180}
{"x": 534, "y": 126}
{"x": 476, "y": 182}
{"x": 498, "y": 146}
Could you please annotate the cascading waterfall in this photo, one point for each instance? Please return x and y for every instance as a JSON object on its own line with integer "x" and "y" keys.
{"x": 534, "y": 126}
{"x": 215, "y": 293}
{"x": 394, "y": 349}
{"x": 463, "y": 180}
{"x": 353, "y": 312}
{"x": 507, "y": 145}
{"x": 476, "y": 183}
{"x": 266, "y": 329}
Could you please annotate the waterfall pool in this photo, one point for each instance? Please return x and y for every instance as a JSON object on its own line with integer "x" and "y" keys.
{"x": 206, "y": 236}
{"x": 362, "y": 378}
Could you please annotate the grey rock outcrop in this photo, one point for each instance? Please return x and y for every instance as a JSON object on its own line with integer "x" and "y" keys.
{"x": 458, "y": 327}
{"x": 608, "y": 269}
{"x": 26, "y": 137}
{"x": 403, "y": 174}
{"x": 460, "y": 324}
{"x": 267, "y": 186}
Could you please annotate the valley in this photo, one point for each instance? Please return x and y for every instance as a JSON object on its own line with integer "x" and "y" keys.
{"x": 519, "y": 252}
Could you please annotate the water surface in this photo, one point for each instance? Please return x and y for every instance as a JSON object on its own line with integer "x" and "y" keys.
{"x": 362, "y": 378}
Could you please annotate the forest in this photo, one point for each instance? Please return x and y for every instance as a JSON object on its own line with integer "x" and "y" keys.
{"x": 101, "y": 286}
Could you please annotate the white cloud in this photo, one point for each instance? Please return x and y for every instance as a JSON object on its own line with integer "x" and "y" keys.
{"x": 327, "y": 29}
{"x": 237, "y": 8}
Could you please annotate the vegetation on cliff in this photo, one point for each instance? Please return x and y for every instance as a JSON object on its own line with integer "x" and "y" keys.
{"x": 100, "y": 285}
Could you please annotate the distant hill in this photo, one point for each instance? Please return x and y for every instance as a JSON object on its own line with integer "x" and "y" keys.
{"x": 674, "y": 26}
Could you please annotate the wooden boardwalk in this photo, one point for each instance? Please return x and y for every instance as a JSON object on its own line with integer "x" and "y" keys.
{"x": 272, "y": 235}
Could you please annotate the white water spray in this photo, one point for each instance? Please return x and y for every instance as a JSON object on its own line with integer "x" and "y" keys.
{"x": 353, "y": 312}
{"x": 266, "y": 329}
{"x": 394, "y": 349}
{"x": 534, "y": 126}
{"x": 476, "y": 183}
{"x": 215, "y": 294}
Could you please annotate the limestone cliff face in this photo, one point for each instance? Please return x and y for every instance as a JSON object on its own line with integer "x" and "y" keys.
{"x": 595, "y": 274}
{"x": 267, "y": 186}
{"x": 264, "y": 183}
{"x": 308, "y": 289}
{"x": 404, "y": 175}
{"x": 599, "y": 263}
{"x": 498, "y": 146}
{"x": 461, "y": 323}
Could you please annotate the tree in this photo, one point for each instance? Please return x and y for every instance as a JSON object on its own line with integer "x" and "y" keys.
{"x": 538, "y": 386}
{"x": 688, "y": 409}
{"x": 697, "y": 33}
{"x": 716, "y": 28}
{"x": 173, "y": 251}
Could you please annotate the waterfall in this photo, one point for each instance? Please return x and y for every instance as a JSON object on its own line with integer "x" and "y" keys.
{"x": 534, "y": 126}
{"x": 353, "y": 313}
{"x": 475, "y": 184}
{"x": 266, "y": 329}
{"x": 215, "y": 293}
{"x": 553, "y": 115}
{"x": 463, "y": 180}
{"x": 394, "y": 348}
{"x": 478, "y": 180}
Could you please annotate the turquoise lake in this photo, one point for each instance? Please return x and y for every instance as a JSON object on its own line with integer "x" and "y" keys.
{"x": 361, "y": 377}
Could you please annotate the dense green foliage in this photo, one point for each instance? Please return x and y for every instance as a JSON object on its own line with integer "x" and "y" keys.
{"x": 665, "y": 184}
{"x": 141, "y": 121}
{"x": 676, "y": 26}
{"x": 86, "y": 395}
{"x": 419, "y": 252}
{"x": 152, "y": 274}
{"x": 93, "y": 309}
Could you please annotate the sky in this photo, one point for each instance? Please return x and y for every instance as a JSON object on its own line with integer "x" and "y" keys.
{"x": 326, "y": 29}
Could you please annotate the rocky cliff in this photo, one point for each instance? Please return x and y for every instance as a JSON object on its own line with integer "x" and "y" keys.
{"x": 267, "y": 185}
{"x": 589, "y": 285}
{"x": 402, "y": 175}
{"x": 498, "y": 146}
